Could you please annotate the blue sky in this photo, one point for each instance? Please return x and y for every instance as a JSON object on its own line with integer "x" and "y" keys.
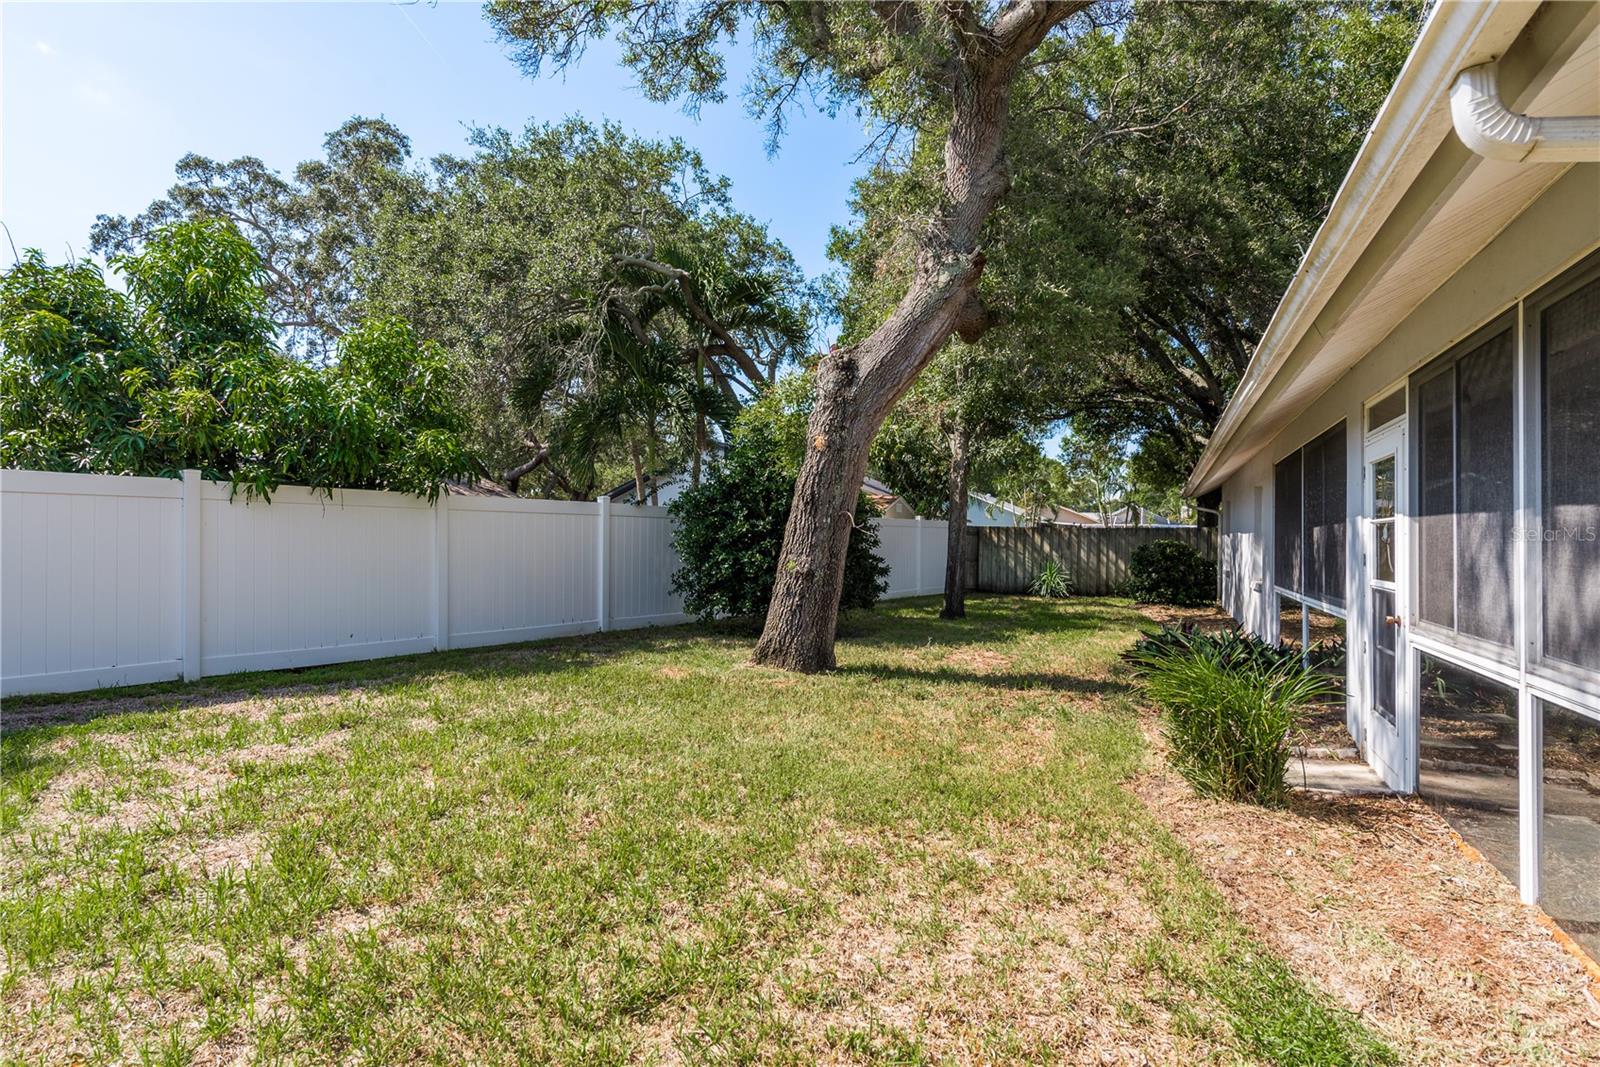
{"x": 100, "y": 100}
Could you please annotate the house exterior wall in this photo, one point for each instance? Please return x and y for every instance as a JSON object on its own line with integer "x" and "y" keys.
{"x": 1556, "y": 231}
{"x": 991, "y": 513}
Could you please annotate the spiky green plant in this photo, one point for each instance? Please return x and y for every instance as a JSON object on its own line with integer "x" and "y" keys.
{"x": 1227, "y": 717}
{"x": 1054, "y": 581}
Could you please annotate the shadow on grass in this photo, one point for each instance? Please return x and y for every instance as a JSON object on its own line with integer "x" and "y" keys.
{"x": 899, "y": 624}
{"x": 916, "y": 622}
{"x": 371, "y": 675}
{"x": 1040, "y": 680}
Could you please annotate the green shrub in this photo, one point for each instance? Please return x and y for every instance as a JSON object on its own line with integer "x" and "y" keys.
{"x": 1054, "y": 581}
{"x": 183, "y": 371}
{"x": 730, "y": 531}
{"x": 1233, "y": 647}
{"x": 1228, "y": 704}
{"x": 1171, "y": 572}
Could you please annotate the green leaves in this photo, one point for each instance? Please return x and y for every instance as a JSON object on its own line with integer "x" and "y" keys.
{"x": 183, "y": 373}
{"x": 1230, "y": 702}
{"x": 730, "y": 532}
{"x": 1171, "y": 572}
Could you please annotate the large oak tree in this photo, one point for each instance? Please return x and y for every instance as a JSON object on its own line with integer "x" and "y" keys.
{"x": 918, "y": 66}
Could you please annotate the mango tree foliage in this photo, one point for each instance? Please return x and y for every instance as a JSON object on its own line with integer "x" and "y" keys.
{"x": 521, "y": 258}
{"x": 182, "y": 372}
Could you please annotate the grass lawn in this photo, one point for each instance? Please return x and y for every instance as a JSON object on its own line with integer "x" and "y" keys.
{"x": 633, "y": 848}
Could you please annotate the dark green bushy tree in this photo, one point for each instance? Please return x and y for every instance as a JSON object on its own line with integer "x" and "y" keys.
{"x": 182, "y": 373}
{"x": 730, "y": 531}
{"x": 1171, "y": 572}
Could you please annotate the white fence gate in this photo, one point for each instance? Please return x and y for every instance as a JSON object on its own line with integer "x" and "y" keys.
{"x": 118, "y": 580}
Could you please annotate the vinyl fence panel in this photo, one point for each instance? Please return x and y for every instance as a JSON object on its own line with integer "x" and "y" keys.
{"x": 89, "y": 580}
{"x": 915, "y": 552}
{"x": 309, "y": 579}
{"x": 642, "y": 564}
{"x": 521, "y": 570}
{"x": 113, "y": 581}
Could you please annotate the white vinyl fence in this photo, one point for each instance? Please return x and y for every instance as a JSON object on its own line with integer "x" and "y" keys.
{"x": 115, "y": 580}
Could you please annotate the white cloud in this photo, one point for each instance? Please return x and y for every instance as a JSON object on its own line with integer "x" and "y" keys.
{"x": 44, "y": 48}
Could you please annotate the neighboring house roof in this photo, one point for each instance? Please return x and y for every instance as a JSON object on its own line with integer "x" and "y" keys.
{"x": 994, "y": 504}
{"x": 1123, "y": 516}
{"x": 656, "y": 481}
{"x": 1414, "y": 207}
{"x": 478, "y": 487}
{"x": 885, "y": 499}
{"x": 882, "y": 497}
{"x": 1064, "y": 516}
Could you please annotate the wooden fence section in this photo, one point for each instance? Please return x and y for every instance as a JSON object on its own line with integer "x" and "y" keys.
{"x": 1009, "y": 558}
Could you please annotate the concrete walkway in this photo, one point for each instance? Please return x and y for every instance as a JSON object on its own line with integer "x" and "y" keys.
{"x": 1334, "y": 776}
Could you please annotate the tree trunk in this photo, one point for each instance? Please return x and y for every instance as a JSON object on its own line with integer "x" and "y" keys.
{"x": 857, "y": 386}
{"x": 804, "y": 611}
{"x": 638, "y": 472}
{"x": 955, "y": 557}
{"x": 699, "y": 447}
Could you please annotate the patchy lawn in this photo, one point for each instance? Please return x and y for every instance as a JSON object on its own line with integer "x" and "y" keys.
{"x": 636, "y": 847}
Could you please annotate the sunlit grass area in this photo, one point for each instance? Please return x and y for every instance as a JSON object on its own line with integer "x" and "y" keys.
{"x": 632, "y": 848}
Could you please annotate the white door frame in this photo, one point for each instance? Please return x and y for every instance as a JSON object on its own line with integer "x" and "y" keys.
{"x": 1390, "y": 747}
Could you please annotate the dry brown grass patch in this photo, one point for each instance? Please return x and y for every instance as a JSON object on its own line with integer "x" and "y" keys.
{"x": 1058, "y": 974}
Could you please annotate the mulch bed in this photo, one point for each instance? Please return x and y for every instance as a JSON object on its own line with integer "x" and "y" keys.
{"x": 1375, "y": 900}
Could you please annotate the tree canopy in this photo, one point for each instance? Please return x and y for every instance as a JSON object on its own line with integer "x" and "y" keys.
{"x": 608, "y": 308}
{"x": 1168, "y": 172}
{"x": 1205, "y": 142}
{"x": 182, "y": 372}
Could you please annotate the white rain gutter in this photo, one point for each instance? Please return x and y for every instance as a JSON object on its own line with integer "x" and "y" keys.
{"x": 1494, "y": 131}
{"x": 1404, "y": 134}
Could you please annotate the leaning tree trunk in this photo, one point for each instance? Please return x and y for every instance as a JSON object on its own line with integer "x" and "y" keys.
{"x": 955, "y": 556}
{"x": 858, "y": 385}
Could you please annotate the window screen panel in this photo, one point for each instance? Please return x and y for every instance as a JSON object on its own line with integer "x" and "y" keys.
{"x": 1467, "y": 758}
{"x": 1571, "y": 477}
{"x": 1286, "y": 523}
{"x": 1436, "y": 541}
{"x": 1335, "y": 468}
{"x": 1313, "y": 549}
{"x": 1484, "y": 501}
{"x": 1571, "y": 819}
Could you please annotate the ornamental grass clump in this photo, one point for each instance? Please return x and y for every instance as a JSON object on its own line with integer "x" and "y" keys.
{"x": 1227, "y": 716}
{"x": 1054, "y": 581}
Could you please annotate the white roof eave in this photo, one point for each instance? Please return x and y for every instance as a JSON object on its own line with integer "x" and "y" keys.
{"x": 1414, "y": 120}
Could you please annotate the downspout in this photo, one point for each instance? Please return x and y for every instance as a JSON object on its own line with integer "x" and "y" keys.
{"x": 1494, "y": 131}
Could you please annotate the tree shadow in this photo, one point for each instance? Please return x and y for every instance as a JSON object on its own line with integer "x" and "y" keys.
{"x": 916, "y": 624}
{"x": 377, "y": 676}
{"x": 900, "y": 624}
{"x": 1011, "y": 681}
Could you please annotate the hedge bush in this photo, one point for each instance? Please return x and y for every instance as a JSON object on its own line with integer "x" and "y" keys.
{"x": 1171, "y": 572}
{"x": 730, "y": 532}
